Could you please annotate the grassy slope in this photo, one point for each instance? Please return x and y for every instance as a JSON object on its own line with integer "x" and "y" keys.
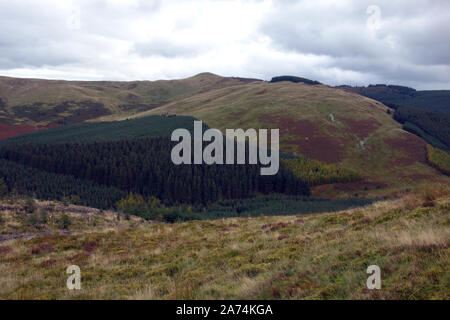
{"x": 320, "y": 122}
{"x": 121, "y": 98}
{"x": 309, "y": 256}
{"x": 362, "y": 137}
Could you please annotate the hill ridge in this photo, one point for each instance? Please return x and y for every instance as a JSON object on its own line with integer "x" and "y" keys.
{"x": 42, "y": 101}
{"x": 322, "y": 123}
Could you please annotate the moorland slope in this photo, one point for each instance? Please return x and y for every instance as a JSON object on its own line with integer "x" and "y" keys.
{"x": 322, "y": 123}
{"x": 319, "y": 256}
{"x": 37, "y": 101}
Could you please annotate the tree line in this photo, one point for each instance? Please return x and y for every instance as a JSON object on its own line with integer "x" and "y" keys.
{"x": 317, "y": 173}
{"x": 423, "y": 123}
{"x": 25, "y": 180}
{"x": 294, "y": 79}
{"x": 144, "y": 166}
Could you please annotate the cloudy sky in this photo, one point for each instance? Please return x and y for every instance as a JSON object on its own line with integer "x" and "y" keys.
{"x": 334, "y": 41}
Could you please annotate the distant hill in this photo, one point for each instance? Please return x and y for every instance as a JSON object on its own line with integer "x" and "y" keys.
{"x": 294, "y": 79}
{"x": 432, "y": 100}
{"x": 36, "y": 101}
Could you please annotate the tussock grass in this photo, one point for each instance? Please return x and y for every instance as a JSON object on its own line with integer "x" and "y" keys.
{"x": 317, "y": 256}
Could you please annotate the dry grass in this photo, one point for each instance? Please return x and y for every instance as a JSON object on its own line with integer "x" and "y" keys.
{"x": 320, "y": 256}
{"x": 17, "y": 220}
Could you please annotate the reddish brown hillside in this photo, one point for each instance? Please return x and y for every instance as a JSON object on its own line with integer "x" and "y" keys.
{"x": 9, "y": 131}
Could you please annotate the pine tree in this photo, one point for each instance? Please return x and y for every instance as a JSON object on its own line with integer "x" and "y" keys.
{"x": 3, "y": 188}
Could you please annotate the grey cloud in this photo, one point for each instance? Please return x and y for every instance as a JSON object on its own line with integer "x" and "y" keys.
{"x": 166, "y": 48}
{"x": 32, "y": 37}
{"x": 329, "y": 42}
{"x": 413, "y": 34}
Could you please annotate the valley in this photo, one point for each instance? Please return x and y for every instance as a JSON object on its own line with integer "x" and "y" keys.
{"x": 87, "y": 179}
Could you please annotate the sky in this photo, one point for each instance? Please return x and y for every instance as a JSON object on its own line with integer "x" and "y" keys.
{"x": 336, "y": 42}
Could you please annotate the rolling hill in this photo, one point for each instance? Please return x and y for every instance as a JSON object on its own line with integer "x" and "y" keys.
{"x": 36, "y": 101}
{"x": 267, "y": 246}
{"x": 315, "y": 121}
{"x": 322, "y": 123}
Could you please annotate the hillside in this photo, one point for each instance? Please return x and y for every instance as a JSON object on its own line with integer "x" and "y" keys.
{"x": 144, "y": 166}
{"x": 47, "y": 181}
{"x": 150, "y": 126}
{"x": 319, "y": 256}
{"x": 315, "y": 121}
{"x": 321, "y": 123}
{"x": 432, "y": 100}
{"x": 37, "y": 101}
{"x": 423, "y": 113}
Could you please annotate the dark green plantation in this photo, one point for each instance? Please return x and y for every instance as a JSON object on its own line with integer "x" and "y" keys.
{"x": 25, "y": 180}
{"x": 268, "y": 205}
{"x": 431, "y": 100}
{"x": 431, "y": 126}
{"x": 278, "y": 204}
{"x": 144, "y": 166}
{"x": 294, "y": 79}
{"x": 126, "y": 165}
{"x": 106, "y": 131}
{"x": 424, "y": 113}
{"x": 50, "y": 186}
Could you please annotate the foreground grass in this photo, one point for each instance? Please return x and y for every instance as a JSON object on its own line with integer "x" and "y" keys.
{"x": 321, "y": 256}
